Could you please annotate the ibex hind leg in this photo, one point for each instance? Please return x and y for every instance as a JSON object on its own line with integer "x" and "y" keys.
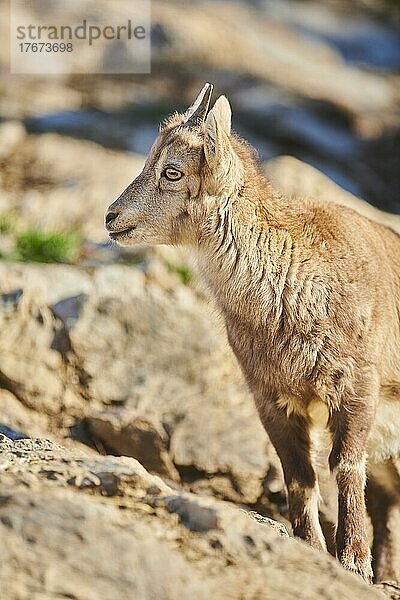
{"x": 350, "y": 426}
{"x": 383, "y": 504}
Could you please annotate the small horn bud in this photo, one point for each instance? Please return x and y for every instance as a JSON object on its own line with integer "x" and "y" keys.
{"x": 197, "y": 112}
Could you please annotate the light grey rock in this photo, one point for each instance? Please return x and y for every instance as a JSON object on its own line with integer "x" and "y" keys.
{"x": 141, "y": 341}
{"x": 12, "y": 135}
{"x": 125, "y": 433}
{"x": 17, "y": 418}
{"x": 67, "y": 533}
{"x": 167, "y": 355}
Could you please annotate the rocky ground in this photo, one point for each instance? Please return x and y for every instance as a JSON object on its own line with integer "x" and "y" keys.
{"x": 123, "y": 354}
{"x": 87, "y": 527}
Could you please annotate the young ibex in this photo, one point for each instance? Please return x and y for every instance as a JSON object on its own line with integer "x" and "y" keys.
{"x": 310, "y": 294}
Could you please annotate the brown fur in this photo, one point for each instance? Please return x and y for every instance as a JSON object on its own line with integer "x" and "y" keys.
{"x": 310, "y": 294}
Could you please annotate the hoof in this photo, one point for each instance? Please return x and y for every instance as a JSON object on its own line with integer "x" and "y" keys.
{"x": 361, "y": 565}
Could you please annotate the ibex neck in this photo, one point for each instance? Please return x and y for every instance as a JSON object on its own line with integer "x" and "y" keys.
{"x": 245, "y": 250}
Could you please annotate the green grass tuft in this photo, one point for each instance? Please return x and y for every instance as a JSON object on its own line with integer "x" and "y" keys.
{"x": 183, "y": 271}
{"x": 6, "y": 225}
{"x": 35, "y": 245}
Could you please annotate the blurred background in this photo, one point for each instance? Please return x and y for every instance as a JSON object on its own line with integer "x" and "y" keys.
{"x": 118, "y": 351}
{"x": 317, "y": 80}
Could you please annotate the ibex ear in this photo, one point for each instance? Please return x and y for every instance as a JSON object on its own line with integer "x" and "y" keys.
{"x": 217, "y": 131}
{"x": 220, "y": 156}
{"x": 223, "y": 113}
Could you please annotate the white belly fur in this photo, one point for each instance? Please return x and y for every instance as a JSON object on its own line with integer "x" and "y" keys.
{"x": 384, "y": 439}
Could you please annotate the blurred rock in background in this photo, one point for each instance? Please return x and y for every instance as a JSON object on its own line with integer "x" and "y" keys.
{"x": 318, "y": 80}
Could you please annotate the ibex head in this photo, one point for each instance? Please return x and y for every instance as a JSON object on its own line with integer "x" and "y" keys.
{"x": 191, "y": 166}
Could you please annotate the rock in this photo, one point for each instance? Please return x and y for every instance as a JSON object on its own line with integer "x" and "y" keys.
{"x": 391, "y": 590}
{"x": 193, "y": 514}
{"x": 163, "y": 354}
{"x": 213, "y": 448}
{"x": 18, "y": 419}
{"x": 9, "y": 302}
{"x": 76, "y": 550}
{"x": 281, "y": 529}
{"x": 66, "y": 535}
{"x": 69, "y": 309}
{"x": 148, "y": 346}
{"x": 273, "y": 47}
{"x": 12, "y": 134}
{"x": 302, "y": 65}
{"x": 125, "y": 434}
{"x": 29, "y": 367}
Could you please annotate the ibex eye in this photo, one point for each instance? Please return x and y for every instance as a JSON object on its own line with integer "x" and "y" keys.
{"x": 172, "y": 174}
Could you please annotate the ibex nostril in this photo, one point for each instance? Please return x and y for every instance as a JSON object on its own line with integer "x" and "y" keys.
{"x": 111, "y": 216}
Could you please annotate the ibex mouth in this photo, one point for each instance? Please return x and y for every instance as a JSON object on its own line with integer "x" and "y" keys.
{"x": 114, "y": 235}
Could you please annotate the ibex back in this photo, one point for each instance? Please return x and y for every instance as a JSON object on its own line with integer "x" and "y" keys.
{"x": 310, "y": 294}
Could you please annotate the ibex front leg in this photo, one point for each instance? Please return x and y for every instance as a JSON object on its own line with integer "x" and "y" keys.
{"x": 290, "y": 437}
{"x": 350, "y": 427}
